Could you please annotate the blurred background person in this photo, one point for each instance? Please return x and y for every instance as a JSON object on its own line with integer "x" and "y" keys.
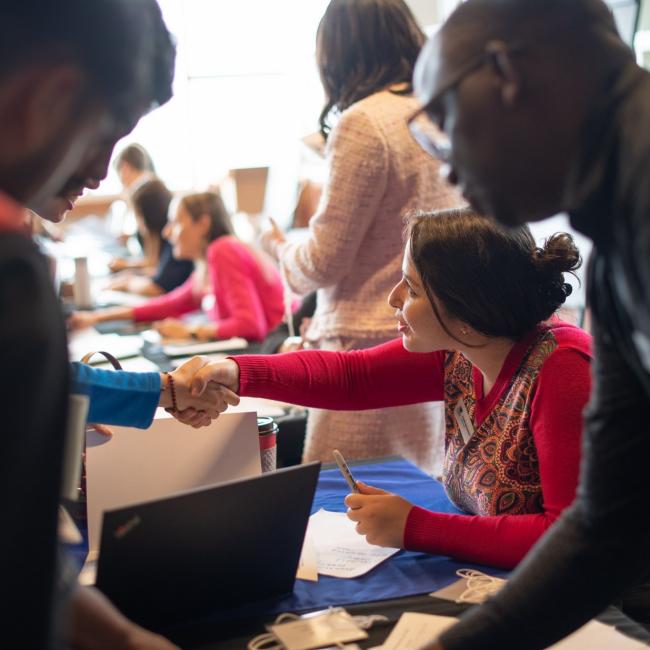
{"x": 134, "y": 167}
{"x": 161, "y": 271}
{"x": 366, "y": 51}
{"x": 242, "y": 283}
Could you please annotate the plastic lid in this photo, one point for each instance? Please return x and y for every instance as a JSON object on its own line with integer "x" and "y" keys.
{"x": 266, "y": 424}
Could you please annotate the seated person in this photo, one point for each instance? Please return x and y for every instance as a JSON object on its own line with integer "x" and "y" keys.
{"x": 246, "y": 286}
{"x": 134, "y": 167}
{"x": 151, "y": 204}
{"x": 475, "y": 310}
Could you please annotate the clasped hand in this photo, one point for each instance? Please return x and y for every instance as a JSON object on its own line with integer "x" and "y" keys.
{"x": 198, "y": 407}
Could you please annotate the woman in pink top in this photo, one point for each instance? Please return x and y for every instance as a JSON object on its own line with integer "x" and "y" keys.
{"x": 247, "y": 289}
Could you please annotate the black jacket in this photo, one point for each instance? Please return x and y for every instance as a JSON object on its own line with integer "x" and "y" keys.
{"x": 601, "y": 545}
{"x": 33, "y": 404}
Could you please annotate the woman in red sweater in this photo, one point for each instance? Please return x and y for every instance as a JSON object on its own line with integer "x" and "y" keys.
{"x": 475, "y": 312}
{"x": 246, "y": 288}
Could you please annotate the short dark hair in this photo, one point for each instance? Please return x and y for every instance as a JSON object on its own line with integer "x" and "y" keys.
{"x": 122, "y": 45}
{"x": 496, "y": 280}
{"x": 365, "y": 46}
{"x": 212, "y": 204}
{"x": 151, "y": 201}
{"x": 581, "y": 24}
{"x": 135, "y": 156}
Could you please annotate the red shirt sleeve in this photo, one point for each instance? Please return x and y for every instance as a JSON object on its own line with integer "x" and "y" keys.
{"x": 175, "y": 303}
{"x": 238, "y": 309}
{"x": 561, "y": 393}
{"x": 386, "y": 375}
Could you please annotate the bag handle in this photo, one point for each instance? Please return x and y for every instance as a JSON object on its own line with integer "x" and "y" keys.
{"x": 111, "y": 359}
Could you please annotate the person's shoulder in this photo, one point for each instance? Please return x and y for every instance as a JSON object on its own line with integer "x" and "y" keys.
{"x": 379, "y": 107}
{"x": 16, "y": 245}
{"x": 570, "y": 337}
{"x": 226, "y": 245}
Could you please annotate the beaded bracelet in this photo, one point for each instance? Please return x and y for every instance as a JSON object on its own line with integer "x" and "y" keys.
{"x": 172, "y": 390}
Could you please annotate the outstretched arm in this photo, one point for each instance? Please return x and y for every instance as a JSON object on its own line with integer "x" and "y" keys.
{"x": 386, "y": 375}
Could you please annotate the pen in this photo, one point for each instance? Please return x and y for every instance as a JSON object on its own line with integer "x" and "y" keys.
{"x": 345, "y": 470}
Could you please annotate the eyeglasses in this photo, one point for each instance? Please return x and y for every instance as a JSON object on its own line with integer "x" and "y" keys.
{"x": 424, "y": 131}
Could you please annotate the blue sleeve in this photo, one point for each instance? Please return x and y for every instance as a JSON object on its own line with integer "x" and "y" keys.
{"x": 117, "y": 397}
{"x": 171, "y": 273}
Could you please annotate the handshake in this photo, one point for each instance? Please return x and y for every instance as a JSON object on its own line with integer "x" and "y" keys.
{"x": 203, "y": 389}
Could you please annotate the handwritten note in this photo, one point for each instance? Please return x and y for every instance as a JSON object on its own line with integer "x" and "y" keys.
{"x": 341, "y": 551}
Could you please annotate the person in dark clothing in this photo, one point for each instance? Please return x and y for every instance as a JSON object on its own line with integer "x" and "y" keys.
{"x": 541, "y": 108}
{"x": 151, "y": 203}
{"x": 66, "y": 95}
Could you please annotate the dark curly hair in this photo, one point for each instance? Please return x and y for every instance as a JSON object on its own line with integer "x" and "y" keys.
{"x": 496, "y": 280}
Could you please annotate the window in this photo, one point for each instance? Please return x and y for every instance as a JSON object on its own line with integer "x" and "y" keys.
{"x": 246, "y": 89}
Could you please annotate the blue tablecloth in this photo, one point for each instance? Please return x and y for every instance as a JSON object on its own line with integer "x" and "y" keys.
{"x": 405, "y": 574}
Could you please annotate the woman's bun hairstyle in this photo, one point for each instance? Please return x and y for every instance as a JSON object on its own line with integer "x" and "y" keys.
{"x": 558, "y": 256}
{"x": 496, "y": 280}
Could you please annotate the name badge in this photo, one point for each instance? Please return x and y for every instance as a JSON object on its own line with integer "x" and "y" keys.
{"x": 464, "y": 421}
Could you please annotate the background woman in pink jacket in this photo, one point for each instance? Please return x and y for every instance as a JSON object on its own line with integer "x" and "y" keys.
{"x": 246, "y": 288}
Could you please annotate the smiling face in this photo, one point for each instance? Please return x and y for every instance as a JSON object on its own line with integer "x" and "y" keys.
{"x": 187, "y": 235}
{"x": 416, "y": 321}
{"x": 89, "y": 173}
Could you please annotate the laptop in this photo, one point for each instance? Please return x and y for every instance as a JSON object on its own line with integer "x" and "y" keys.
{"x": 172, "y": 560}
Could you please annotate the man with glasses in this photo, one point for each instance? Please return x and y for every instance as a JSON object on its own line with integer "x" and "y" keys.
{"x": 537, "y": 108}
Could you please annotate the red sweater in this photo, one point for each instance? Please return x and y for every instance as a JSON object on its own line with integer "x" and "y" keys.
{"x": 519, "y": 469}
{"x": 248, "y": 298}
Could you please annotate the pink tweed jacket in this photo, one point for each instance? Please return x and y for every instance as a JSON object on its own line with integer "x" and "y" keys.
{"x": 377, "y": 174}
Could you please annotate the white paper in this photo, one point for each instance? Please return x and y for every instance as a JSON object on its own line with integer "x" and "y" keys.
{"x": 308, "y": 564}
{"x": 74, "y": 445}
{"x": 414, "y": 630}
{"x": 119, "y": 298}
{"x": 598, "y": 636}
{"x": 88, "y": 339}
{"x": 205, "y": 347}
{"x": 169, "y": 457}
{"x": 342, "y": 552}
